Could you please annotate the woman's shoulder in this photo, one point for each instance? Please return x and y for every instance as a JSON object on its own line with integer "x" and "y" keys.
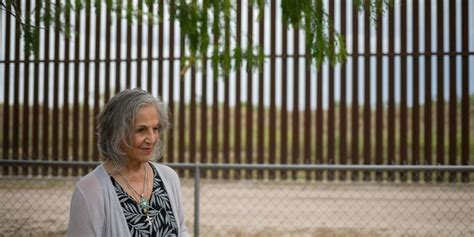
{"x": 93, "y": 178}
{"x": 166, "y": 171}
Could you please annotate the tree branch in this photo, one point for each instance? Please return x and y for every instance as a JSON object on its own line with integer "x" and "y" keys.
{"x": 17, "y": 16}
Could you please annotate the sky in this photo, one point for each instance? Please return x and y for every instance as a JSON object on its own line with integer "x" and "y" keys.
{"x": 278, "y": 78}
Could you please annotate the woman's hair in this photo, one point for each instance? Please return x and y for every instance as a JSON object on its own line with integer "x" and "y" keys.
{"x": 115, "y": 124}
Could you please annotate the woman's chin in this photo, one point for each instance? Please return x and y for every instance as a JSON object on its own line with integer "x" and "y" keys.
{"x": 145, "y": 158}
{"x": 142, "y": 158}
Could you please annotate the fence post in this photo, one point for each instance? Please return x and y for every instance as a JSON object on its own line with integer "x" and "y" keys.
{"x": 197, "y": 181}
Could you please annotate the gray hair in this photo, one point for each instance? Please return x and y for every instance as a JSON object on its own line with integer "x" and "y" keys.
{"x": 115, "y": 124}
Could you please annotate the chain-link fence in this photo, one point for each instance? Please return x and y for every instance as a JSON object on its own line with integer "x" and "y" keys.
{"x": 403, "y": 204}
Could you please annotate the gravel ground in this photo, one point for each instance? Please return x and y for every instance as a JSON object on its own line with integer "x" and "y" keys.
{"x": 268, "y": 208}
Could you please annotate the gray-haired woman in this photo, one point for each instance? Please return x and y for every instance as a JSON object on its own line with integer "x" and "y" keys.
{"x": 129, "y": 194}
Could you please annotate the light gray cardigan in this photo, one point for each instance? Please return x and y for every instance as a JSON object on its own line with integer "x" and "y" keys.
{"x": 95, "y": 209}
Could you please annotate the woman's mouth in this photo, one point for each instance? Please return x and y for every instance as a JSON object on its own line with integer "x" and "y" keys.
{"x": 147, "y": 150}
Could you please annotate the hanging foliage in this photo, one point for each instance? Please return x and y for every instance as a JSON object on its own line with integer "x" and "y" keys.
{"x": 194, "y": 18}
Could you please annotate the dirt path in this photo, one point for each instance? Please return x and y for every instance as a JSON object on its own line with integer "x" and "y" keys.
{"x": 247, "y": 208}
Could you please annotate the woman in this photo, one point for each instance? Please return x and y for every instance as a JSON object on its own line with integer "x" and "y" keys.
{"x": 128, "y": 194}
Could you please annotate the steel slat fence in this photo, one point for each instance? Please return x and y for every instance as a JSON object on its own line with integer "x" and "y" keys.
{"x": 345, "y": 114}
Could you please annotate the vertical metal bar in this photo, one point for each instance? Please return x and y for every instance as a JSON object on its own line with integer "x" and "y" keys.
{"x": 296, "y": 114}
{"x": 75, "y": 116}
{"x": 391, "y": 160}
{"x": 261, "y": 110}
{"x": 16, "y": 96}
{"x": 284, "y": 102}
{"x": 379, "y": 158}
{"x": 129, "y": 46}
{"x": 65, "y": 128}
{"x": 465, "y": 90}
{"x": 204, "y": 116}
{"x": 108, "y": 23}
{"x": 331, "y": 158}
{"x": 403, "y": 89}
{"x": 249, "y": 123}
{"x": 307, "y": 99}
{"x": 215, "y": 124}
{"x": 55, "y": 129}
{"x": 215, "y": 108}
{"x": 319, "y": 121}
{"x": 26, "y": 95}
{"x": 171, "y": 82}
{"x": 272, "y": 131}
{"x": 160, "y": 48}
{"x": 343, "y": 106}
{"x": 150, "y": 49}
{"x": 192, "y": 115}
{"x": 307, "y": 108}
{"x": 182, "y": 108}
{"x": 440, "y": 92}
{"x": 355, "y": 91}
{"x": 139, "y": 43}
{"x": 192, "y": 118}
{"x": 1, "y": 32}
{"x": 97, "y": 70}
{"x": 226, "y": 117}
{"x": 367, "y": 76}
{"x": 416, "y": 75}
{"x": 452, "y": 88}
{"x": 118, "y": 45}
{"x": 6, "y": 89}
{"x": 45, "y": 128}
{"x": 197, "y": 189}
{"x": 85, "y": 112}
{"x": 428, "y": 78}
{"x": 237, "y": 131}
{"x": 36, "y": 115}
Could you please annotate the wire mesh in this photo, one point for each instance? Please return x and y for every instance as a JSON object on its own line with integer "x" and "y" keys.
{"x": 396, "y": 206}
{"x": 302, "y": 208}
{"x": 35, "y": 205}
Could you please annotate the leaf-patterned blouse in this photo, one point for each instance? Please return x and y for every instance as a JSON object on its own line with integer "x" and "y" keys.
{"x": 163, "y": 222}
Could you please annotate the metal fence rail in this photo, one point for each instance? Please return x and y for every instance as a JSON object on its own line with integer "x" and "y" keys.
{"x": 405, "y": 205}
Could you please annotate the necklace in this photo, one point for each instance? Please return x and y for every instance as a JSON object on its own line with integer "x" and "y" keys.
{"x": 143, "y": 202}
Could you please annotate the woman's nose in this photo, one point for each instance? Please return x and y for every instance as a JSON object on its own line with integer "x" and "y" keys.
{"x": 151, "y": 137}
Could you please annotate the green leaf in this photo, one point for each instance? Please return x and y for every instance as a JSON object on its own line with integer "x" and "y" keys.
{"x": 97, "y": 5}
{"x": 149, "y": 2}
{"x": 78, "y": 4}
{"x": 261, "y": 9}
{"x": 195, "y": 17}
{"x": 237, "y": 57}
{"x": 261, "y": 57}
{"x": 29, "y": 38}
{"x": 215, "y": 59}
{"x": 129, "y": 12}
{"x": 109, "y": 4}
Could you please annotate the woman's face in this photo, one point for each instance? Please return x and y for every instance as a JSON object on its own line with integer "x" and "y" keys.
{"x": 145, "y": 134}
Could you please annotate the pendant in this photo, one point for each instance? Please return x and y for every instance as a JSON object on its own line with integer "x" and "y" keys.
{"x": 143, "y": 203}
{"x": 148, "y": 219}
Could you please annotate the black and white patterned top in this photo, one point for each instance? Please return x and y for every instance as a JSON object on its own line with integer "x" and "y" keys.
{"x": 163, "y": 222}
